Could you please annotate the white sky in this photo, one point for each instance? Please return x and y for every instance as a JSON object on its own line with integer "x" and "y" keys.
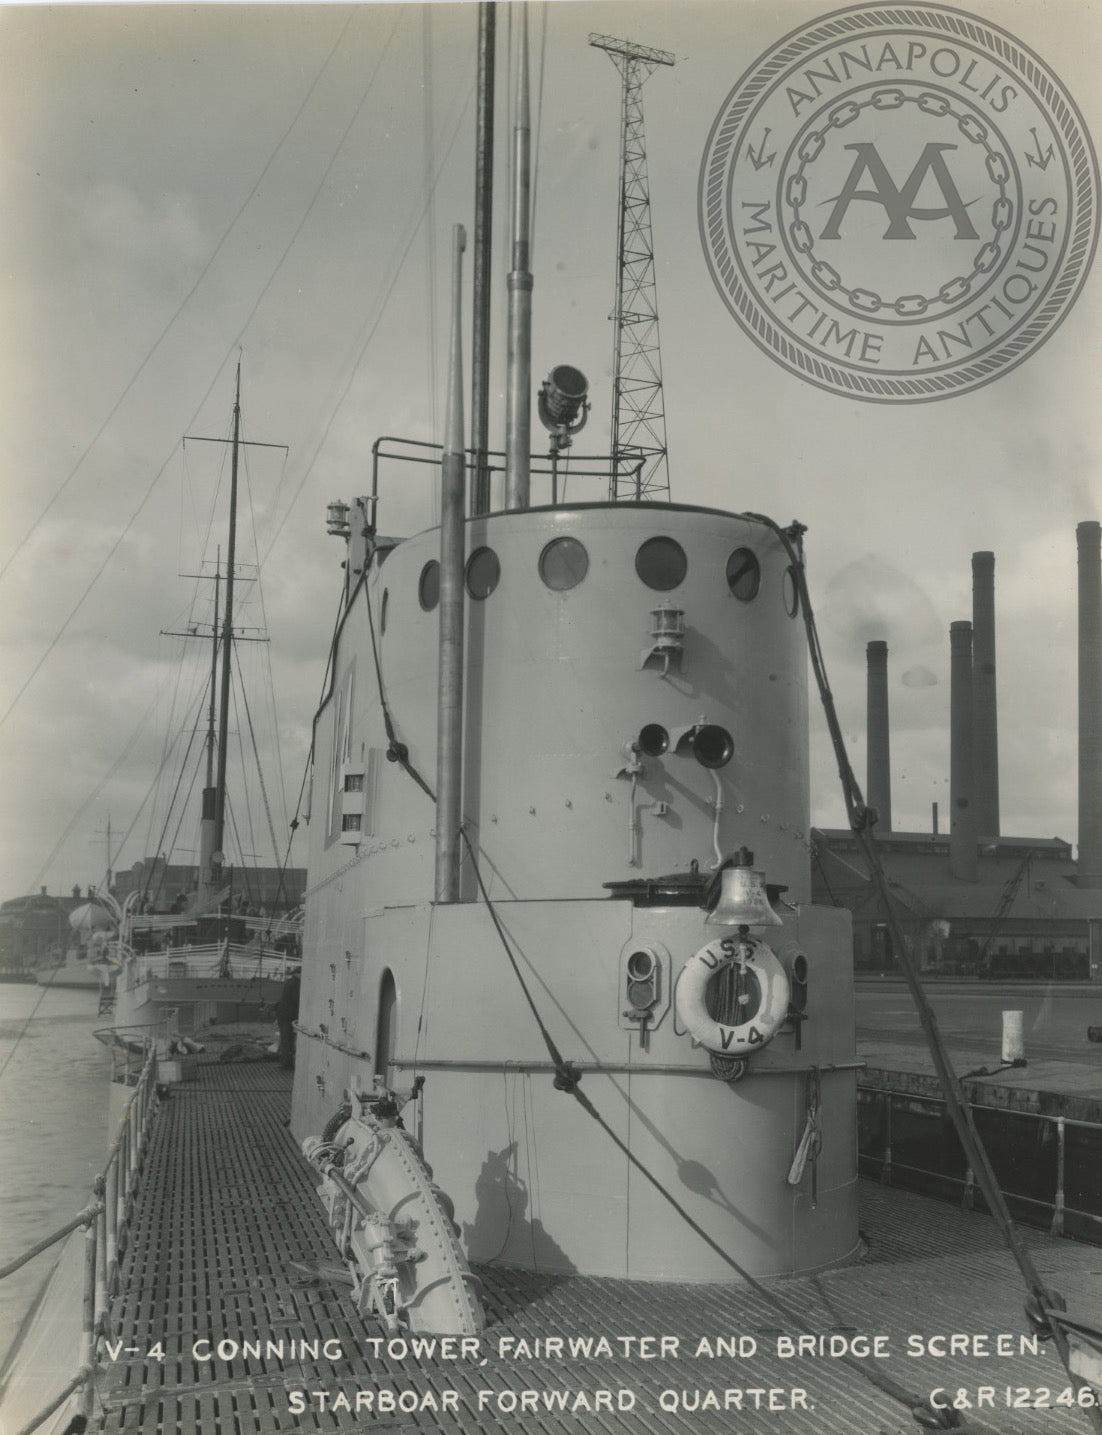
{"x": 179, "y": 182}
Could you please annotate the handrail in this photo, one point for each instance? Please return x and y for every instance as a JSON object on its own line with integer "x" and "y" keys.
{"x": 106, "y": 1222}
{"x": 211, "y": 960}
{"x": 58, "y": 1401}
{"x": 889, "y": 1161}
{"x": 602, "y": 466}
{"x": 88, "y": 1214}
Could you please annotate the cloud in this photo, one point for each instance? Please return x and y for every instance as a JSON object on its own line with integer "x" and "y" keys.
{"x": 871, "y": 599}
{"x": 919, "y": 677}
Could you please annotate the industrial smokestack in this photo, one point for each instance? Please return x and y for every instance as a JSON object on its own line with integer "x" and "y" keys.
{"x": 985, "y": 726}
{"x": 963, "y": 853}
{"x": 878, "y": 788}
{"x": 1089, "y": 540}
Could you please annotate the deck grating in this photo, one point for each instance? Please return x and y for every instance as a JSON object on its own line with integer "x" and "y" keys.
{"x": 227, "y": 1203}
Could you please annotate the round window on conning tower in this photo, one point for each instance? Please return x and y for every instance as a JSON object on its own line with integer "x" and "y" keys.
{"x": 791, "y": 593}
{"x": 744, "y": 574}
{"x": 483, "y": 572}
{"x": 563, "y": 564}
{"x": 661, "y": 563}
{"x": 428, "y": 587}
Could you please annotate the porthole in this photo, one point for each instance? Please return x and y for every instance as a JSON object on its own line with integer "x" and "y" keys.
{"x": 791, "y": 593}
{"x": 483, "y": 572}
{"x": 744, "y": 574}
{"x": 661, "y": 563}
{"x": 383, "y": 611}
{"x": 563, "y": 564}
{"x": 428, "y": 589}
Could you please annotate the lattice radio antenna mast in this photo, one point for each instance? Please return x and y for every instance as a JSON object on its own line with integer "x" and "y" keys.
{"x": 639, "y": 459}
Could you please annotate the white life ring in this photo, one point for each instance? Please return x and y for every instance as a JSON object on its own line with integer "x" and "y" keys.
{"x": 747, "y": 1036}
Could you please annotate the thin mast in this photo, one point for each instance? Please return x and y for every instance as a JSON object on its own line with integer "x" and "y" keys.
{"x": 227, "y": 632}
{"x": 481, "y": 257}
{"x": 453, "y": 503}
{"x": 207, "y": 845}
{"x": 518, "y": 391}
{"x": 212, "y": 709}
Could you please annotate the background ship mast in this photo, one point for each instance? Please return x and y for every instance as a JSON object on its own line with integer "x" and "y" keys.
{"x": 213, "y": 819}
{"x": 227, "y": 640}
{"x": 638, "y": 412}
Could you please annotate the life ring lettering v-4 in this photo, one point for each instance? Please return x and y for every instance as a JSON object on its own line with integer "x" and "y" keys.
{"x": 738, "y": 1038}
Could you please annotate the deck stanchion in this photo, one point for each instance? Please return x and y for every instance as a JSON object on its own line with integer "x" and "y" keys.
{"x": 100, "y": 1314}
{"x": 111, "y": 1202}
{"x": 141, "y": 1111}
{"x": 886, "y": 1168}
{"x": 105, "y": 1223}
{"x": 122, "y": 1162}
{"x": 1058, "y": 1200}
{"x": 88, "y": 1322}
{"x": 132, "y": 1152}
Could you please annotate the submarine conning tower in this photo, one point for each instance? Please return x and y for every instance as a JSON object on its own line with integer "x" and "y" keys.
{"x": 634, "y": 718}
{"x": 635, "y": 702}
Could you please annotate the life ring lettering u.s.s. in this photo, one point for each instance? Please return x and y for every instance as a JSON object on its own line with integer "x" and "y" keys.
{"x": 739, "y": 1038}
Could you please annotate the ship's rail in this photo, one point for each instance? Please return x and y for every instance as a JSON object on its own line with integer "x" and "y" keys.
{"x": 1046, "y": 1162}
{"x": 106, "y": 1225}
{"x": 129, "y": 1045}
{"x": 209, "y": 961}
{"x": 271, "y": 929}
{"x": 592, "y": 477}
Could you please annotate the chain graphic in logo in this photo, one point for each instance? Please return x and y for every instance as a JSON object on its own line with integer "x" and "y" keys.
{"x": 899, "y": 203}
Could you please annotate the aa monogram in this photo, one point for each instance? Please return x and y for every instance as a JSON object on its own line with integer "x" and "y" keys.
{"x": 899, "y": 203}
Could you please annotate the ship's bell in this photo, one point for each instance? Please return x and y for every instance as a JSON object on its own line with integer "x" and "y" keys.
{"x": 743, "y": 901}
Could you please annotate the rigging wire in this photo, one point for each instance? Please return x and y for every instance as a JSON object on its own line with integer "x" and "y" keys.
{"x": 243, "y": 864}
{"x": 567, "y": 1078}
{"x": 172, "y": 846}
{"x": 1044, "y": 1306}
{"x": 429, "y": 165}
{"x": 152, "y": 792}
{"x": 273, "y": 502}
{"x": 273, "y": 717}
{"x": 212, "y": 508}
{"x": 23, "y": 1029}
{"x": 200, "y": 679}
{"x": 80, "y": 601}
{"x": 160, "y": 847}
{"x": 141, "y": 806}
{"x": 234, "y": 345}
{"x": 79, "y": 813}
{"x": 270, "y": 686}
{"x": 259, "y": 771}
{"x": 308, "y": 764}
{"x": 370, "y": 325}
{"x": 171, "y": 734}
{"x": 180, "y": 307}
{"x": 247, "y": 807}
